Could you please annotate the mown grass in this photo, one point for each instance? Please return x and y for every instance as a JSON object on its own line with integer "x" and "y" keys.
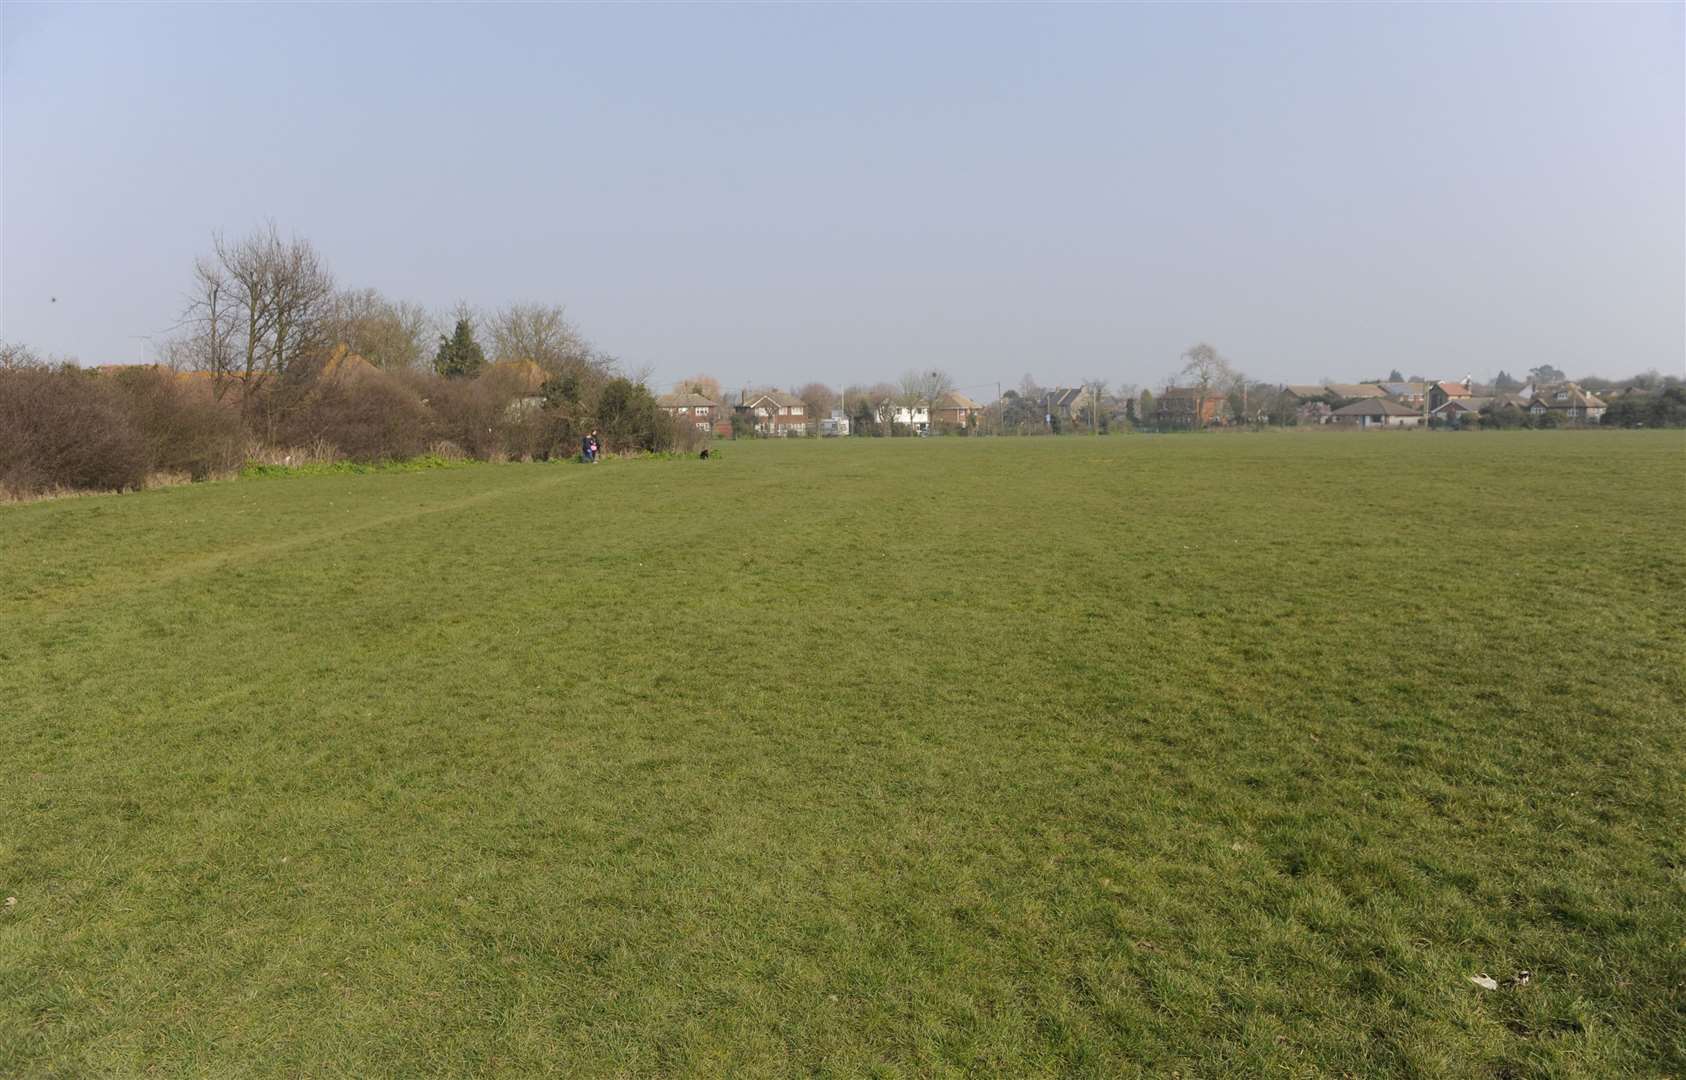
{"x": 1228, "y": 756}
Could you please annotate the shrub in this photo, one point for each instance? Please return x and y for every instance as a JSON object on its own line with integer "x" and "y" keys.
{"x": 1667, "y": 409}
{"x": 1503, "y": 417}
{"x": 182, "y": 428}
{"x": 367, "y": 415}
{"x": 66, "y": 429}
{"x": 628, "y": 419}
{"x": 468, "y": 413}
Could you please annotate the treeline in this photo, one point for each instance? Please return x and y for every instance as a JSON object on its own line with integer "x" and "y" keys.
{"x": 272, "y": 361}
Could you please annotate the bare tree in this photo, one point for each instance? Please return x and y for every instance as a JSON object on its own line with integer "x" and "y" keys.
{"x": 209, "y": 327}
{"x": 884, "y": 397}
{"x": 924, "y": 387}
{"x": 302, "y": 291}
{"x": 279, "y": 295}
{"x": 388, "y": 334}
{"x": 1094, "y": 395}
{"x": 706, "y": 385}
{"x": 819, "y": 399}
{"x": 15, "y": 356}
{"x": 540, "y": 333}
{"x": 936, "y": 385}
{"x": 1206, "y": 368}
{"x": 1210, "y": 373}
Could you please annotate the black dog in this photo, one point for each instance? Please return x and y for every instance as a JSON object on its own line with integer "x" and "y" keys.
{"x": 704, "y": 454}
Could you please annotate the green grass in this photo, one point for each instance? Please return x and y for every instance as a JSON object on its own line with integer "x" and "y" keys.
{"x": 258, "y": 470}
{"x": 1226, "y": 756}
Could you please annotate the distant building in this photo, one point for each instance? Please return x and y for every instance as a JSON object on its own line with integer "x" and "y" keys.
{"x": 1064, "y": 402}
{"x": 1377, "y": 412}
{"x": 955, "y": 409}
{"x": 835, "y": 424}
{"x": 1439, "y": 393}
{"x": 775, "y": 413}
{"x": 1566, "y": 401}
{"x": 1406, "y": 393}
{"x": 701, "y": 412}
{"x": 1188, "y": 408}
{"x": 917, "y": 417}
{"x": 1458, "y": 408}
{"x": 1349, "y": 391}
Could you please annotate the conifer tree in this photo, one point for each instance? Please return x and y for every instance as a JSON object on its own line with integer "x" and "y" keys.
{"x": 459, "y": 355}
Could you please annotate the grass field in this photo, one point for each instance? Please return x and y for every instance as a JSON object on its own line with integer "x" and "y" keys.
{"x": 1198, "y": 756}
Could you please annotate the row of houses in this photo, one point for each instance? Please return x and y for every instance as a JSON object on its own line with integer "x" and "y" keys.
{"x": 776, "y": 414}
{"x": 1411, "y": 404}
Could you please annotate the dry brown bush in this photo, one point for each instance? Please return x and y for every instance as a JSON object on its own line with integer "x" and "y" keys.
{"x": 686, "y": 438}
{"x": 183, "y": 428}
{"x": 365, "y": 414}
{"x": 66, "y": 429}
{"x": 316, "y": 453}
{"x": 469, "y": 413}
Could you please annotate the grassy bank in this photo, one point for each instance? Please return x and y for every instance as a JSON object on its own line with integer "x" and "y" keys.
{"x": 1219, "y": 756}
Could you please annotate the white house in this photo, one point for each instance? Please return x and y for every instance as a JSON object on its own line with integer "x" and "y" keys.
{"x": 918, "y": 417}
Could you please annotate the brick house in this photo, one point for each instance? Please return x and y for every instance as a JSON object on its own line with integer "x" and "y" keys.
{"x": 954, "y": 409}
{"x": 1439, "y": 393}
{"x": 701, "y": 412}
{"x": 1186, "y": 407}
{"x": 775, "y": 413}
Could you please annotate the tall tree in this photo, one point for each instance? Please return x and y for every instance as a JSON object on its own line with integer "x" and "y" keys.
{"x": 16, "y": 356}
{"x": 1545, "y": 373}
{"x": 388, "y": 334}
{"x": 1094, "y": 404}
{"x": 924, "y": 387}
{"x": 210, "y": 326}
{"x": 706, "y": 385}
{"x": 1209, "y": 372}
{"x": 279, "y": 295}
{"x": 819, "y": 399}
{"x": 459, "y": 356}
{"x": 884, "y": 398}
{"x": 540, "y": 333}
{"x": 1207, "y": 369}
{"x": 1394, "y": 376}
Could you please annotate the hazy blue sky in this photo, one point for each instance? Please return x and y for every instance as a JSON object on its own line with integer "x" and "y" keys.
{"x": 779, "y": 193}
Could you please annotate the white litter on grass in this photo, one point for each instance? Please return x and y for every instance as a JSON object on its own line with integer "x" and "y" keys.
{"x": 1484, "y": 982}
{"x": 11, "y": 901}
